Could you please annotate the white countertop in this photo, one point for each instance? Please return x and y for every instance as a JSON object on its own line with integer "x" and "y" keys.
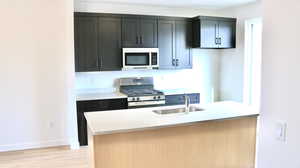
{"x": 103, "y": 94}
{"x": 117, "y": 121}
{"x": 98, "y": 94}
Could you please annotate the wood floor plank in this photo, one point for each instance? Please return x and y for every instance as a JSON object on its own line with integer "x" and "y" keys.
{"x": 59, "y": 157}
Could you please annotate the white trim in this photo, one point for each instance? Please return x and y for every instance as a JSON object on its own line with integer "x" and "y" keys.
{"x": 74, "y": 145}
{"x": 32, "y": 145}
{"x": 247, "y": 90}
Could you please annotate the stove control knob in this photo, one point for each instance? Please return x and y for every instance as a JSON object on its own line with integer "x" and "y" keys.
{"x": 137, "y": 99}
{"x": 154, "y": 97}
{"x": 133, "y": 99}
{"x": 158, "y": 97}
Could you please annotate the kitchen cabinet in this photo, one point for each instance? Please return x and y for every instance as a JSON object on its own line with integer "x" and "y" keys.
{"x": 214, "y": 32}
{"x": 166, "y": 44}
{"x": 179, "y": 99}
{"x": 86, "y": 44}
{"x": 139, "y": 32}
{"x": 95, "y": 105}
{"x": 174, "y": 42}
{"x": 109, "y": 42}
{"x": 97, "y": 43}
{"x": 183, "y": 35}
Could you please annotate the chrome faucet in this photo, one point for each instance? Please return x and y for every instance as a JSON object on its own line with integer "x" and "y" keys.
{"x": 187, "y": 103}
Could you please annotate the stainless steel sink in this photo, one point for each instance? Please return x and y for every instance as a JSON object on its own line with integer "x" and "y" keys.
{"x": 178, "y": 110}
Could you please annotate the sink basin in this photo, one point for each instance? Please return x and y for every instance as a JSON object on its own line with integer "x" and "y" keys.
{"x": 178, "y": 110}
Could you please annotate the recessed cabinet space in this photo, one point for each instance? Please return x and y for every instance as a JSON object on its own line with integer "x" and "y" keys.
{"x": 139, "y": 32}
{"x": 174, "y": 42}
{"x": 97, "y": 42}
{"x": 214, "y": 32}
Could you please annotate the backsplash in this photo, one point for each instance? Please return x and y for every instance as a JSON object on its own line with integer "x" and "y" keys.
{"x": 204, "y": 77}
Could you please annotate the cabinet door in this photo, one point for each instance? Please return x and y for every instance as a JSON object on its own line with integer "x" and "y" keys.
{"x": 183, "y": 38}
{"x": 148, "y": 33}
{"x": 180, "y": 99}
{"x": 130, "y": 32}
{"x": 109, "y": 37}
{"x": 227, "y": 31}
{"x": 166, "y": 44}
{"x": 209, "y": 32}
{"x": 94, "y": 105}
{"x": 86, "y": 44}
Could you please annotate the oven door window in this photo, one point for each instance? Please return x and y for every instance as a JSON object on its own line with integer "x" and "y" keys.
{"x": 137, "y": 59}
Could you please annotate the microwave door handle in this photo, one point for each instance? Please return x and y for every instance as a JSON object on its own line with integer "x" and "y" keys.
{"x": 150, "y": 58}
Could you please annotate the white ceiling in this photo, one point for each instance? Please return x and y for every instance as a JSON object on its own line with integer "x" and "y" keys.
{"x": 209, "y": 4}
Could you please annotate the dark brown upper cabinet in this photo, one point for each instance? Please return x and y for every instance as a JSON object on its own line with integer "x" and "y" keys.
{"x": 86, "y": 44}
{"x": 98, "y": 45}
{"x": 139, "y": 32}
{"x": 174, "y": 42}
{"x": 214, "y": 32}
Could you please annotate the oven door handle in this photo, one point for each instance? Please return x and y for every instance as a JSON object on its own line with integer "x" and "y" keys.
{"x": 146, "y": 103}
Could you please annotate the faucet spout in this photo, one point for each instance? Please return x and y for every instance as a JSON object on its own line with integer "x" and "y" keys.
{"x": 187, "y": 103}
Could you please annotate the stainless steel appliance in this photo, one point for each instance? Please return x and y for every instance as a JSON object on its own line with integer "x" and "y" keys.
{"x": 140, "y": 58}
{"x": 141, "y": 92}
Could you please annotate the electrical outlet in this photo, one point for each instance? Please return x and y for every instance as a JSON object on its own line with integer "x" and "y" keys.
{"x": 280, "y": 130}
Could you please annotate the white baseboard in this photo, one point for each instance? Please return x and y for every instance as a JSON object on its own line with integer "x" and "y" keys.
{"x": 32, "y": 145}
{"x": 74, "y": 145}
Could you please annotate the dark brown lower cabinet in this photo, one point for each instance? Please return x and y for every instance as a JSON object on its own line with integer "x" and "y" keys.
{"x": 179, "y": 99}
{"x": 92, "y": 106}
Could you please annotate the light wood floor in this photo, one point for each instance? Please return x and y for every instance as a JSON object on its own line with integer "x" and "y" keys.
{"x": 59, "y": 157}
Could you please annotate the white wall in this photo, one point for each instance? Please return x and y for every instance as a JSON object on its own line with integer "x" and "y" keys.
{"x": 203, "y": 78}
{"x": 232, "y": 60}
{"x": 281, "y": 81}
{"x": 37, "y": 75}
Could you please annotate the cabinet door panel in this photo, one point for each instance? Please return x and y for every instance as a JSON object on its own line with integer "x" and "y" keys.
{"x": 166, "y": 44}
{"x": 148, "y": 33}
{"x": 110, "y": 43}
{"x": 227, "y": 34}
{"x": 130, "y": 32}
{"x": 183, "y": 42}
{"x": 209, "y": 33}
{"x": 94, "y": 105}
{"x": 180, "y": 99}
{"x": 86, "y": 44}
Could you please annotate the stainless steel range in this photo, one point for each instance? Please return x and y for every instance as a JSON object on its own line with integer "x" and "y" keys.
{"x": 141, "y": 92}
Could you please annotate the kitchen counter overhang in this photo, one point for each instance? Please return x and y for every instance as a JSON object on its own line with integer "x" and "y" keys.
{"x": 129, "y": 120}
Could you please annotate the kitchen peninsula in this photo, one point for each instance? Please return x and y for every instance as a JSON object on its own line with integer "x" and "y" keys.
{"x": 217, "y": 135}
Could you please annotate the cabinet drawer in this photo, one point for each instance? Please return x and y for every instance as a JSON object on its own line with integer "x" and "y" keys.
{"x": 179, "y": 99}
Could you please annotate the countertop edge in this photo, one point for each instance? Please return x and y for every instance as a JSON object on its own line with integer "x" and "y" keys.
{"x": 167, "y": 126}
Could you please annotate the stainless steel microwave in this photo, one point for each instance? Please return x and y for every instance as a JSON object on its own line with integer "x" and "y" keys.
{"x": 140, "y": 58}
